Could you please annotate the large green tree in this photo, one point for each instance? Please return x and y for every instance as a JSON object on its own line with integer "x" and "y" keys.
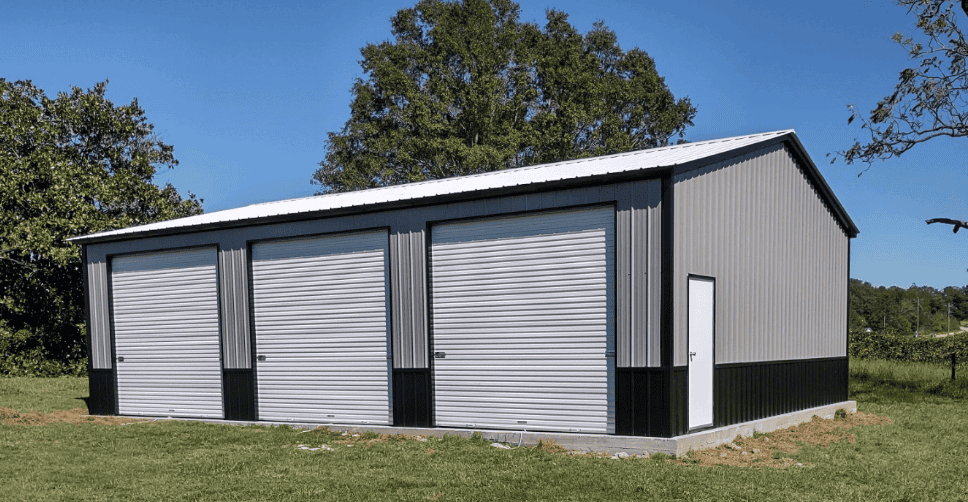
{"x": 70, "y": 165}
{"x": 466, "y": 87}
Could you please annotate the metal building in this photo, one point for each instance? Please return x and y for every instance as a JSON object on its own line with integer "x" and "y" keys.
{"x": 649, "y": 293}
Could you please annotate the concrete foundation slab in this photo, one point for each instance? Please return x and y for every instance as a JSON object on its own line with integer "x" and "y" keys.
{"x": 590, "y": 443}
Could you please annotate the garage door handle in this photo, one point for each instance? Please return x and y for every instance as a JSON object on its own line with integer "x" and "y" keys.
{"x": 261, "y": 358}
{"x": 440, "y": 355}
{"x": 121, "y": 359}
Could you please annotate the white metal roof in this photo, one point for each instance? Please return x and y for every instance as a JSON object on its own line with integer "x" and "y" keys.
{"x": 666, "y": 156}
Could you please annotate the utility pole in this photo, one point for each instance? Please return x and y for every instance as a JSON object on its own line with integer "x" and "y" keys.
{"x": 949, "y": 320}
{"x": 919, "y": 316}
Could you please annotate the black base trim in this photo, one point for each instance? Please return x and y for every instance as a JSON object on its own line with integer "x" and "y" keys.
{"x": 650, "y": 401}
{"x": 411, "y": 397}
{"x": 101, "y": 387}
{"x": 238, "y": 390}
{"x": 750, "y": 391}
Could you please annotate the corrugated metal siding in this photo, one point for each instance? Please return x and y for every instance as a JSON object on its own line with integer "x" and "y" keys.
{"x": 233, "y": 269}
{"x": 408, "y": 275}
{"x": 524, "y": 309}
{"x": 319, "y": 308}
{"x": 166, "y": 327}
{"x": 653, "y": 358}
{"x": 623, "y": 288}
{"x": 636, "y": 242}
{"x": 97, "y": 288}
{"x": 408, "y": 291}
{"x": 778, "y": 255}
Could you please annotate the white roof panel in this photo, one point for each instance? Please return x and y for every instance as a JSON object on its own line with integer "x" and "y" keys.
{"x": 640, "y": 160}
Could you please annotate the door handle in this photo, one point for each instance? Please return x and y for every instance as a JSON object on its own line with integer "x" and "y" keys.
{"x": 692, "y": 355}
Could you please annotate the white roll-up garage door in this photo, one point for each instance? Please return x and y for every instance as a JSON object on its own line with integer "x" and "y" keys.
{"x": 166, "y": 333}
{"x": 320, "y": 317}
{"x": 523, "y": 319}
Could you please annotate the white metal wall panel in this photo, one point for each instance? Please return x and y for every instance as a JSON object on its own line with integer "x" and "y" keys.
{"x": 166, "y": 328}
{"x": 523, "y": 310}
{"x": 320, "y": 315}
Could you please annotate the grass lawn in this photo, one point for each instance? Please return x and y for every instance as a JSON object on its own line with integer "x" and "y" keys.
{"x": 920, "y": 456}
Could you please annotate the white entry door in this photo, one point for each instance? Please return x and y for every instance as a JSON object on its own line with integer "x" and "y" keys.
{"x": 702, "y": 295}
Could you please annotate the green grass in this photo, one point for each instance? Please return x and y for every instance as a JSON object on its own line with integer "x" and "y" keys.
{"x": 920, "y": 456}
{"x": 43, "y": 394}
{"x": 874, "y": 380}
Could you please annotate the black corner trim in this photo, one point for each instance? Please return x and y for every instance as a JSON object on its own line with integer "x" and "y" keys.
{"x": 667, "y": 309}
{"x": 102, "y": 392}
{"x": 411, "y": 397}
{"x": 238, "y": 389}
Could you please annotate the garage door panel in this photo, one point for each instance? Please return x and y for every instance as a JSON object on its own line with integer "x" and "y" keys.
{"x": 320, "y": 317}
{"x": 166, "y": 327}
{"x": 522, "y": 310}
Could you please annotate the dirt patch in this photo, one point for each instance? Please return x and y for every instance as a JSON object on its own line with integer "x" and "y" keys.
{"x": 773, "y": 449}
{"x": 550, "y": 446}
{"x": 364, "y": 439}
{"x": 76, "y": 416}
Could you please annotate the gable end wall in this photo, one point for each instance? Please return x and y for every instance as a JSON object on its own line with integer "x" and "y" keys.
{"x": 778, "y": 254}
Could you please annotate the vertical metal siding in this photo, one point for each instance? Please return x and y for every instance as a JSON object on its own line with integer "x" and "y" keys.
{"x": 409, "y": 304}
{"x": 97, "y": 274}
{"x": 319, "y": 307}
{"x": 654, "y": 300}
{"x": 624, "y": 268}
{"x": 639, "y": 305}
{"x": 637, "y": 269}
{"x": 166, "y": 328}
{"x": 777, "y": 252}
{"x": 237, "y": 352}
{"x": 523, "y": 311}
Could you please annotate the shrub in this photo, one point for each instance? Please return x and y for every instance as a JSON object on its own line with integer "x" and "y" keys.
{"x": 892, "y": 346}
{"x": 22, "y": 353}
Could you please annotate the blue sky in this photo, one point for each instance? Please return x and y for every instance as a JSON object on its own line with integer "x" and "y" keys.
{"x": 246, "y": 92}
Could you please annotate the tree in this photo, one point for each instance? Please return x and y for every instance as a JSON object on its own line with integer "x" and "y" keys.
{"x": 466, "y": 87}
{"x": 930, "y": 99}
{"x": 71, "y": 165}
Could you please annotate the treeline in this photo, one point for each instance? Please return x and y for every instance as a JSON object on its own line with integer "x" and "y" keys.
{"x": 897, "y": 309}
